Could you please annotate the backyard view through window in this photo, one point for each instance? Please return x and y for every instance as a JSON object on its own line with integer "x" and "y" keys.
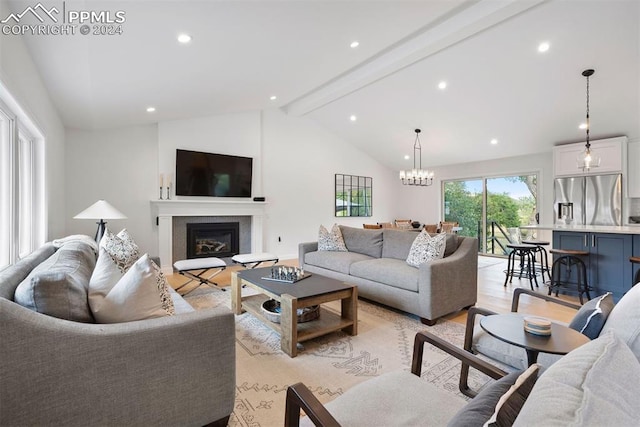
{"x": 492, "y": 209}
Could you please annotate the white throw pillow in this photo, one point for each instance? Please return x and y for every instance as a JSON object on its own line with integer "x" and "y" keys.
{"x": 426, "y": 248}
{"x": 116, "y": 255}
{"x": 142, "y": 293}
{"x": 331, "y": 241}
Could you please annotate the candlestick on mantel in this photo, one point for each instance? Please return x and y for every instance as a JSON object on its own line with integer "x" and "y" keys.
{"x": 161, "y": 180}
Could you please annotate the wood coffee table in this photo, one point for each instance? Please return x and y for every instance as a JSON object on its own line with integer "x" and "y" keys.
{"x": 510, "y": 328}
{"x": 308, "y": 292}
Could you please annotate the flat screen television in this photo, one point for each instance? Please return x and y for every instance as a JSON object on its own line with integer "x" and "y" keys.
{"x": 213, "y": 175}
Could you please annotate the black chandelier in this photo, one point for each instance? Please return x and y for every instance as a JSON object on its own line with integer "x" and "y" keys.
{"x": 417, "y": 176}
{"x": 587, "y": 159}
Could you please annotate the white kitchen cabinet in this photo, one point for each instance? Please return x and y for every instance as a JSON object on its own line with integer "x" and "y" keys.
{"x": 610, "y": 151}
{"x": 633, "y": 169}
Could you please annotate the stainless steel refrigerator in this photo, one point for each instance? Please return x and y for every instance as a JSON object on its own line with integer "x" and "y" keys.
{"x": 588, "y": 200}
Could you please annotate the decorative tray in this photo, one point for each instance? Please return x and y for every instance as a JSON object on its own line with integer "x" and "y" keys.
{"x": 286, "y": 274}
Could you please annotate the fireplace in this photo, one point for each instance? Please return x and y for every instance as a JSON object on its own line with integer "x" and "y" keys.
{"x": 218, "y": 240}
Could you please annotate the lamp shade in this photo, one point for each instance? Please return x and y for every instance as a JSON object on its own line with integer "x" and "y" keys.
{"x": 100, "y": 210}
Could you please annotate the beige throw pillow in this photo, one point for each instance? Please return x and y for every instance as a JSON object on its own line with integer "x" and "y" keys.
{"x": 426, "y": 248}
{"x": 142, "y": 293}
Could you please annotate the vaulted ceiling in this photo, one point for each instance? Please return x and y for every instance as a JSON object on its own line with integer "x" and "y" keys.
{"x": 243, "y": 52}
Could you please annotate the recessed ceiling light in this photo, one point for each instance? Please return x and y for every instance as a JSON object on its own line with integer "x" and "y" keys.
{"x": 406, "y": 157}
{"x": 354, "y": 44}
{"x": 442, "y": 85}
{"x": 151, "y": 109}
{"x": 582, "y": 126}
{"x": 353, "y": 118}
{"x": 494, "y": 141}
{"x": 273, "y": 97}
{"x": 184, "y": 38}
{"x": 543, "y": 47}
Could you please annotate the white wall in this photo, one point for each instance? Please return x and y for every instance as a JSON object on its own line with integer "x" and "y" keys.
{"x": 120, "y": 166}
{"x": 20, "y": 76}
{"x": 300, "y": 161}
{"x": 234, "y": 134}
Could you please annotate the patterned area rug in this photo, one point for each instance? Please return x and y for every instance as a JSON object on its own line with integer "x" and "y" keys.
{"x": 331, "y": 364}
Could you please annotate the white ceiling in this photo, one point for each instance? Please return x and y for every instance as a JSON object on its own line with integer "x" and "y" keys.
{"x": 243, "y": 52}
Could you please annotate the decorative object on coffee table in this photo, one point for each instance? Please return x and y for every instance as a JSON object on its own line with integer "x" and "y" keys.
{"x": 271, "y": 310}
{"x": 286, "y": 274}
{"x": 537, "y": 326}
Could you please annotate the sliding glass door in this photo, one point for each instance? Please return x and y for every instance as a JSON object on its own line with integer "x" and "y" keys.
{"x": 492, "y": 208}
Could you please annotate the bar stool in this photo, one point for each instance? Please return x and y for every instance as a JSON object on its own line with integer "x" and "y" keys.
{"x": 635, "y": 260}
{"x": 568, "y": 259}
{"x": 544, "y": 258}
{"x": 526, "y": 253}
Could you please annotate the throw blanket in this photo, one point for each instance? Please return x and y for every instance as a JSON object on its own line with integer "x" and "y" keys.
{"x": 77, "y": 238}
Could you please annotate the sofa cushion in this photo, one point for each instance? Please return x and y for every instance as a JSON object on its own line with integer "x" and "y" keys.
{"x": 595, "y": 385}
{"x": 362, "y": 404}
{"x": 336, "y": 261}
{"x": 58, "y": 286}
{"x": 363, "y": 241}
{"x": 591, "y": 317}
{"x": 142, "y": 293}
{"x": 453, "y": 241}
{"x": 388, "y": 271}
{"x": 331, "y": 241}
{"x": 13, "y": 275}
{"x": 624, "y": 320}
{"x": 426, "y": 248}
{"x": 397, "y": 243}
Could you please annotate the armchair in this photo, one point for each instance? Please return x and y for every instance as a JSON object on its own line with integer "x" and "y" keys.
{"x": 511, "y": 356}
{"x": 594, "y": 319}
{"x": 396, "y": 392}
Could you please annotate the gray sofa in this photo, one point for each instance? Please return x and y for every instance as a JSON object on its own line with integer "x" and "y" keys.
{"x": 376, "y": 263}
{"x": 175, "y": 370}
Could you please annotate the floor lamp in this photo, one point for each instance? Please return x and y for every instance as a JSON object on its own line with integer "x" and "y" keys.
{"x": 100, "y": 210}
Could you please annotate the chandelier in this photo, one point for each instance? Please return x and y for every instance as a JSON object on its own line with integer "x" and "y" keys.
{"x": 417, "y": 176}
{"x": 587, "y": 159}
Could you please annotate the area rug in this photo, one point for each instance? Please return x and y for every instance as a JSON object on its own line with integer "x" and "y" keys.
{"x": 331, "y": 364}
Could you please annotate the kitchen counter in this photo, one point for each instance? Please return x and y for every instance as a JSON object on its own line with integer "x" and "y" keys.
{"x": 614, "y": 229}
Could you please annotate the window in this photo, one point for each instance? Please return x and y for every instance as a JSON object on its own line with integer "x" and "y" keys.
{"x": 22, "y": 215}
{"x": 490, "y": 209}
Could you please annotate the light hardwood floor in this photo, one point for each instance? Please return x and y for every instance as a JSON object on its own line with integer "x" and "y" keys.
{"x": 492, "y": 294}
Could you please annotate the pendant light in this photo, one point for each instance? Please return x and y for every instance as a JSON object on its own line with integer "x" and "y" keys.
{"x": 588, "y": 159}
{"x": 417, "y": 176}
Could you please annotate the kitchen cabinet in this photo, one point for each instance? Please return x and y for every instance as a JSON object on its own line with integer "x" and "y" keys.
{"x": 610, "y": 151}
{"x": 608, "y": 266}
{"x": 633, "y": 172}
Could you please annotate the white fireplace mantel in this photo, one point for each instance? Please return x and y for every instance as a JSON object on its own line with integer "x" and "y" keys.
{"x": 165, "y": 210}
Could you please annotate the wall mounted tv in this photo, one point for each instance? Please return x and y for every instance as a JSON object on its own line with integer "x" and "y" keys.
{"x": 213, "y": 175}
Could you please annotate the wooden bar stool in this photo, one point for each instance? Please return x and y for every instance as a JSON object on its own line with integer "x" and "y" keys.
{"x": 526, "y": 254}
{"x": 635, "y": 260}
{"x": 544, "y": 258}
{"x": 568, "y": 259}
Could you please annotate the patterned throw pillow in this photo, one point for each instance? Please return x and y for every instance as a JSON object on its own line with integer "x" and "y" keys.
{"x": 121, "y": 248}
{"x": 331, "y": 241}
{"x": 426, "y": 248}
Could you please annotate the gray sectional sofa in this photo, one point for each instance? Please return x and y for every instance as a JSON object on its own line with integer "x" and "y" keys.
{"x": 376, "y": 263}
{"x": 174, "y": 370}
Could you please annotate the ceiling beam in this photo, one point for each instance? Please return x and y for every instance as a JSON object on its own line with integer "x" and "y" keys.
{"x": 461, "y": 23}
